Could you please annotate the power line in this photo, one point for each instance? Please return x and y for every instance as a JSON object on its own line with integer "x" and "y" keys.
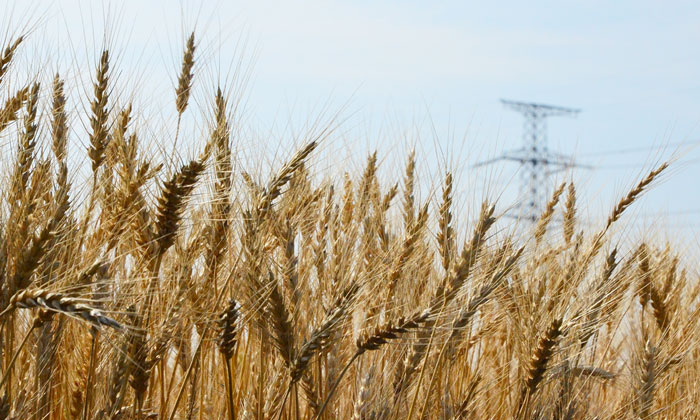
{"x": 611, "y": 166}
{"x": 639, "y": 149}
{"x": 614, "y": 166}
{"x": 669, "y": 213}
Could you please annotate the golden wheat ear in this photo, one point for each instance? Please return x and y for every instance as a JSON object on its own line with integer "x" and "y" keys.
{"x": 541, "y": 357}
{"x": 7, "y": 56}
{"x": 374, "y": 339}
{"x": 319, "y": 337}
{"x": 59, "y": 119}
{"x": 445, "y": 237}
{"x": 274, "y": 188}
{"x": 98, "y": 120}
{"x": 546, "y": 216}
{"x": 634, "y": 193}
{"x": 569, "y": 214}
{"x": 44, "y": 299}
{"x": 228, "y": 329}
{"x": 171, "y": 202}
{"x": 9, "y": 112}
{"x": 184, "y": 82}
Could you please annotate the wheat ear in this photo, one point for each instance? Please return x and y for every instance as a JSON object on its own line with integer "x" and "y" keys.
{"x": 633, "y": 194}
{"x": 445, "y": 236}
{"x": 547, "y": 214}
{"x": 408, "y": 194}
{"x": 320, "y": 335}
{"x": 7, "y": 55}
{"x": 171, "y": 202}
{"x": 8, "y": 113}
{"x": 59, "y": 129}
{"x": 42, "y": 298}
{"x": 541, "y": 357}
{"x": 274, "y": 188}
{"x": 98, "y": 120}
{"x": 228, "y": 337}
{"x": 647, "y": 382}
{"x": 184, "y": 82}
{"x": 370, "y": 340}
{"x": 570, "y": 214}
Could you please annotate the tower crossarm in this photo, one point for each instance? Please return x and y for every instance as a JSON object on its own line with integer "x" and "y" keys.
{"x": 540, "y": 110}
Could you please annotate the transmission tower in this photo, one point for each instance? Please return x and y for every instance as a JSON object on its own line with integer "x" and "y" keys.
{"x": 536, "y": 160}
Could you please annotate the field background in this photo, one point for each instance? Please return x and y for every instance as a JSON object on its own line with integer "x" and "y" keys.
{"x": 184, "y": 239}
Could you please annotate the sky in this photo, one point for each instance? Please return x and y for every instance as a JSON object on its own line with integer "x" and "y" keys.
{"x": 427, "y": 75}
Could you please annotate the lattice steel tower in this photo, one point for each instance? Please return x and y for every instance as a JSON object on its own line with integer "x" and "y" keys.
{"x": 536, "y": 160}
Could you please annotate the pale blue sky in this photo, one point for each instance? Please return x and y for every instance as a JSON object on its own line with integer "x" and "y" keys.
{"x": 632, "y": 67}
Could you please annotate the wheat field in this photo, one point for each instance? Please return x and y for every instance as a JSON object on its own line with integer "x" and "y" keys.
{"x": 199, "y": 291}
